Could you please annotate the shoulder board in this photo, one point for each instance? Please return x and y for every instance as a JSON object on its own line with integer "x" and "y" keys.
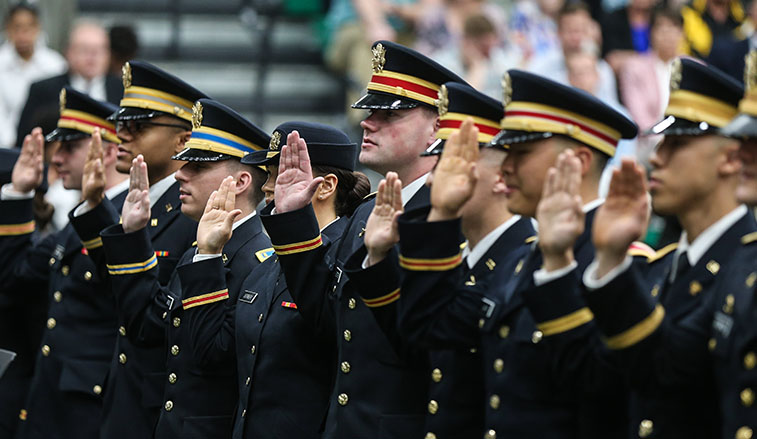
{"x": 749, "y": 238}
{"x": 194, "y": 244}
{"x": 531, "y": 239}
{"x": 659, "y": 254}
{"x": 264, "y": 254}
{"x": 370, "y": 196}
{"x": 638, "y": 248}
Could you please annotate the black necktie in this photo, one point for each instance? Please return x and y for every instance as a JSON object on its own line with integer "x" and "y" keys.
{"x": 682, "y": 266}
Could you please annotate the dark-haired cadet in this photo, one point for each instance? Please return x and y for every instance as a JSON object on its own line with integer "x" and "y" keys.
{"x": 80, "y": 330}
{"x": 199, "y": 396}
{"x": 284, "y": 362}
{"x": 496, "y": 241}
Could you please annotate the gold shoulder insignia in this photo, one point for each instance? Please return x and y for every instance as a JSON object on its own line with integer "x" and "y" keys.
{"x": 531, "y": 239}
{"x": 638, "y": 248}
{"x": 264, "y": 254}
{"x": 749, "y": 238}
{"x": 659, "y": 254}
{"x": 62, "y": 99}
{"x": 126, "y": 75}
{"x": 196, "y": 115}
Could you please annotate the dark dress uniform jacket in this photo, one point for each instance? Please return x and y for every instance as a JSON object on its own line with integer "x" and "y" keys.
{"x": 380, "y": 386}
{"x": 539, "y": 366}
{"x": 77, "y": 343}
{"x": 199, "y": 396}
{"x": 285, "y": 368}
{"x": 668, "y": 365}
{"x": 134, "y": 388}
{"x": 456, "y": 385}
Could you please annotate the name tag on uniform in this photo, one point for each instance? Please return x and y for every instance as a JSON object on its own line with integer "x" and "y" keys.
{"x": 722, "y": 324}
{"x": 248, "y": 296}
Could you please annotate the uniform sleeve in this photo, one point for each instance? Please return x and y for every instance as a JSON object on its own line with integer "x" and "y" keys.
{"x": 133, "y": 269}
{"x": 297, "y": 241}
{"x": 89, "y": 225}
{"x": 21, "y": 260}
{"x": 436, "y": 307}
{"x": 209, "y": 315}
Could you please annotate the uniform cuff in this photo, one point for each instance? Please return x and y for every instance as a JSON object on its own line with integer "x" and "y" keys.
{"x": 590, "y": 275}
{"x": 557, "y": 306}
{"x": 429, "y": 246}
{"x": 205, "y": 282}
{"x": 542, "y": 276}
{"x": 379, "y": 284}
{"x": 292, "y": 232}
{"x": 17, "y": 218}
{"x": 128, "y": 253}
{"x": 89, "y": 225}
{"x": 7, "y": 193}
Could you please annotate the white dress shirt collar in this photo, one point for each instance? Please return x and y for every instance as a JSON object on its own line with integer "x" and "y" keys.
{"x": 695, "y": 250}
{"x": 410, "y": 190}
{"x": 158, "y": 189}
{"x": 117, "y": 189}
{"x": 474, "y": 254}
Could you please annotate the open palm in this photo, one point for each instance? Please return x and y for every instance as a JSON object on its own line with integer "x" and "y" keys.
{"x": 295, "y": 185}
{"x": 214, "y": 230}
{"x": 136, "y": 210}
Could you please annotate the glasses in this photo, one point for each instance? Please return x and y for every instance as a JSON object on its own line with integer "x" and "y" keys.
{"x": 134, "y": 127}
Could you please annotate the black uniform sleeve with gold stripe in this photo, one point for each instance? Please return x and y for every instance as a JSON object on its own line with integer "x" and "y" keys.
{"x": 133, "y": 268}
{"x": 22, "y": 260}
{"x": 437, "y": 309}
{"x": 89, "y": 225}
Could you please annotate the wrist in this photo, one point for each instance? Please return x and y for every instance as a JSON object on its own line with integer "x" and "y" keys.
{"x": 21, "y": 189}
{"x": 209, "y": 251}
{"x": 439, "y": 214}
{"x": 556, "y": 260}
{"x": 607, "y": 261}
{"x": 93, "y": 202}
{"x": 376, "y": 255}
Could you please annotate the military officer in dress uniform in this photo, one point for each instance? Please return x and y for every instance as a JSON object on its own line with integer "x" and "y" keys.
{"x": 401, "y": 123}
{"x": 155, "y": 121}
{"x": 695, "y": 173}
{"x": 154, "y": 313}
{"x": 285, "y": 367}
{"x": 496, "y": 242}
{"x": 64, "y": 400}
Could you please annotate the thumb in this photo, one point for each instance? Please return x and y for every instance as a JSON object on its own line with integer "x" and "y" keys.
{"x": 231, "y": 217}
{"x": 313, "y": 186}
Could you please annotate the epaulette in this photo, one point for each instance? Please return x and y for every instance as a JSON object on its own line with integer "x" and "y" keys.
{"x": 264, "y": 254}
{"x": 531, "y": 239}
{"x": 749, "y": 238}
{"x": 638, "y": 248}
{"x": 370, "y": 196}
{"x": 659, "y": 254}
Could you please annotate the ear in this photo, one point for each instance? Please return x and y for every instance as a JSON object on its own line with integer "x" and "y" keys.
{"x": 243, "y": 182}
{"x": 432, "y": 136}
{"x": 731, "y": 163}
{"x": 327, "y": 188}
{"x": 181, "y": 140}
{"x": 587, "y": 158}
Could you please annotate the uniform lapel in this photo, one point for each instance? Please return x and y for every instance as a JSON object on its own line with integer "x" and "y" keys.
{"x": 164, "y": 211}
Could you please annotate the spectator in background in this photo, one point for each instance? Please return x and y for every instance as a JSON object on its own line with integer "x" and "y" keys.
{"x": 728, "y": 54}
{"x": 644, "y": 81}
{"x": 625, "y": 32}
{"x": 23, "y": 60}
{"x": 578, "y": 33}
{"x": 124, "y": 46}
{"x": 441, "y": 26}
{"x": 533, "y": 27}
{"x": 88, "y": 56}
{"x": 705, "y": 21}
{"x": 479, "y": 57}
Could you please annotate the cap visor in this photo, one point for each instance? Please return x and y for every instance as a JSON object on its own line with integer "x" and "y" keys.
{"x": 65, "y": 135}
{"x": 436, "y": 148}
{"x": 676, "y": 126}
{"x": 260, "y": 158}
{"x": 743, "y": 125}
{"x": 381, "y": 101}
{"x": 131, "y": 113}
{"x": 508, "y": 137}
{"x": 201, "y": 155}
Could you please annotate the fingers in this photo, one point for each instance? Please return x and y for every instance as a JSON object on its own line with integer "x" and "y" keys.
{"x": 381, "y": 194}
{"x": 133, "y": 175}
{"x": 469, "y": 137}
{"x": 210, "y": 203}
{"x": 293, "y": 140}
{"x": 231, "y": 196}
{"x": 303, "y": 156}
{"x": 452, "y": 146}
{"x": 397, "y": 204}
{"x": 144, "y": 181}
{"x": 284, "y": 160}
{"x": 313, "y": 186}
{"x": 230, "y": 218}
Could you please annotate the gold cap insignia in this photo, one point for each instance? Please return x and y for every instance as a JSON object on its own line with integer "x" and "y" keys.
{"x": 62, "y": 99}
{"x": 443, "y": 102}
{"x": 273, "y": 145}
{"x": 196, "y": 115}
{"x": 507, "y": 89}
{"x": 675, "y": 74}
{"x": 126, "y": 75}
{"x": 379, "y": 58}
{"x": 750, "y": 70}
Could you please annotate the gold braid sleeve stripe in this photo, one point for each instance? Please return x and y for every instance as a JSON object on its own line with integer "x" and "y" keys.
{"x": 137, "y": 267}
{"x": 383, "y": 300}
{"x": 92, "y": 243}
{"x": 298, "y": 247}
{"x": 205, "y": 298}
{"x": 638, "y": 332}
{"x": 441, "y": 264}
{"x": 16, "y": 229}
{"x": 566, "y": 323}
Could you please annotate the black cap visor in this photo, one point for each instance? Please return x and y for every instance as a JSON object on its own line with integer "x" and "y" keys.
{"x": 509, "y": 137}
{"x": 260, "y": 158}
{"x": 132, "y": 113}
{"x": 384, "y": 101}
{"x": 201, "y": 155}
{"x": 742, "y": 126}
{"x": 676, "y": 126}
{"x": 65, "y": 135}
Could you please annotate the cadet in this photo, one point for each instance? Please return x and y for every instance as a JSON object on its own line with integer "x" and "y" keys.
{"x": 381, "y": 386}
{"x": 496, "y": 242}
{"x": 695, "y": 172}
{"x": 65, "y": 395}
{"x": 220, "y": 138}
{"x": 285, "y": 367}
{"x": 154, "y": 121}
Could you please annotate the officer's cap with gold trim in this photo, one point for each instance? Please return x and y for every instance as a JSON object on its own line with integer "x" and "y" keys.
{"x": 327, "y": 146}
{"x": 80, "y": 115}
{"x": 220, "y": 133}
{"x": 539, "y": 108}
{"x": 744, "y": 125}
{"x": 403, "y": 78}
{"x": 151, "y": 92}
{"x": 458, "y": 102}
{"x": 702, "y": 100}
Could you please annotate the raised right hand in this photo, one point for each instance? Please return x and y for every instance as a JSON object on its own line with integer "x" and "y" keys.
{"x": 623, "y": 216}
{"x": 381, "y": 229}
{"x": 295, "y": 185}
{"x": 93, "y": 178}
{"x": 136, "y": 211}
{"x": 28, "y": 170}
{"x": 214, "y": 230}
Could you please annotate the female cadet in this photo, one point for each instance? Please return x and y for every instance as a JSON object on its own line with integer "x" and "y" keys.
{"x": 284, "y": 365}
